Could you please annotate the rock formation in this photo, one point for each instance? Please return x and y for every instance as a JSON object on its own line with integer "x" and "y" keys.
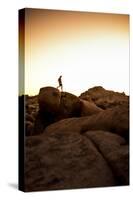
{"x": 104, "y": 98}
{"x": 49, "y": 100}
{"x": 76, "y": 142}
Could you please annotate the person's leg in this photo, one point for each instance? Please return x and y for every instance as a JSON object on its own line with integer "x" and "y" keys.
{"x": 62, "y": 88}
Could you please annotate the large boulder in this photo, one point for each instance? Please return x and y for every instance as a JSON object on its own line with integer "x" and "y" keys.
{"x": 115, "y": 151}
{"x": 54, "y": 106}
{"x": 89, "y": 108}
{"x": 114, "y": 120}
{"x": 49, "y": 100}
{"x": 58, "y": 104}
{"x": 69, "y": 106}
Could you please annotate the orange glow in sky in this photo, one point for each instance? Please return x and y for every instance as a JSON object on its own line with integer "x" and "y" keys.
{"x": 87, "y": 49}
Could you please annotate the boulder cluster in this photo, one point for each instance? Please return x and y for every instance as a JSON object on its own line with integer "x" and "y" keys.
{"x": 76, "y": 142}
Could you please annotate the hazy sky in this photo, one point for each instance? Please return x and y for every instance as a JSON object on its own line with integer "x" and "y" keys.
{"x": 87, "y": 49}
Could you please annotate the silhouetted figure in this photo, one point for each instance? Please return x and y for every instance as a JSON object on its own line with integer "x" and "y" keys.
{"x": 60, "y": 83}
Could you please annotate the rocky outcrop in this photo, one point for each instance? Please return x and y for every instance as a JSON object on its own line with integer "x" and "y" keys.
{"x": 54, "y": 106}
{"x": 49, "y": 100}
{"x": 78, "y": 142}
{"x": 51, "y": 105}
{"x": 58, "y": 104}
{"x": 104, "y": 98}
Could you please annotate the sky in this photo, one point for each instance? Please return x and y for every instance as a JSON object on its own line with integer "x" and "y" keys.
{"x": 87, "y": 49}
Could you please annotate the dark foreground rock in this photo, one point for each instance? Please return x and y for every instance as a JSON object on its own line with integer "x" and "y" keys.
{"x": 66, "y": 159}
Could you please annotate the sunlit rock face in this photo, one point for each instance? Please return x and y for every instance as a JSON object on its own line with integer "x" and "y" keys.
{"x": 76, "y": 142}
{"x": 104, "y": 98}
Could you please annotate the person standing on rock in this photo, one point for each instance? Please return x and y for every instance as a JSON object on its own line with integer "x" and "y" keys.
{"x": 60, "y": 83}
